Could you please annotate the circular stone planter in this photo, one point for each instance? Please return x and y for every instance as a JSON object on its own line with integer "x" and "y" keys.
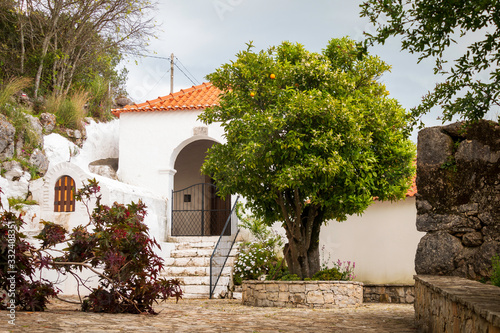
{"x": 312, "y": 294}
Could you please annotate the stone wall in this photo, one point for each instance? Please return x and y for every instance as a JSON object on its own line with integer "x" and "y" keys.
{"x": 388, "y": 293}
{"x": 458, "y": 201}
{"x": 312, "y": 294}
{"x": 454, "y": 304}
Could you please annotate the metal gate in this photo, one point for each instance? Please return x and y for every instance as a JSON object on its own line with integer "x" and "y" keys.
{"x": 198, "y": 211}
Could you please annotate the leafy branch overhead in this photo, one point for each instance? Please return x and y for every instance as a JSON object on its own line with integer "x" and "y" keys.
{"x": 430, "y": 29}
{"x": 310, "y": 137}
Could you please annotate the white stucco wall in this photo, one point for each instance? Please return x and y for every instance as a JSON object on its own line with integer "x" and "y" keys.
{"x": 150, "y": 142}
{"x": 382, "y": 242}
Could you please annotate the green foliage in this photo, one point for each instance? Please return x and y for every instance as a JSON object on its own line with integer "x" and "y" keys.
{"x": 327, "y": 274}
{"x": 450, "y": 164}
{"x": 310, "y": 137}
{"x": 12, "y": 86}
{"x": 69, "y": 110}
{"x": 18, "y": 202}
{"x": 65, "y": 48}
{"x": 341, "y": 271}
{"x": 430, "y": 28}
{"x": 253, "y": 261}
{"x": 495, "y": 272}
{"x": 289, "y": 277}
{"x": 17, "y": 115}
{"x": 100, "y": 99}
{"x": 259, "y": 257}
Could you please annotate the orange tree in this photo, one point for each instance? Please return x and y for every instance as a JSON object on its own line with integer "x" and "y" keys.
{"x": 310, "y": 137}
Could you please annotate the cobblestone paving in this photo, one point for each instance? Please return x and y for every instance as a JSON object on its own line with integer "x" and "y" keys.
{"x": 217, "y": 316}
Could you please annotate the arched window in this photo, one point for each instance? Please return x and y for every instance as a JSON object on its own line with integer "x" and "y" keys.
{"x": 64, "y": 196}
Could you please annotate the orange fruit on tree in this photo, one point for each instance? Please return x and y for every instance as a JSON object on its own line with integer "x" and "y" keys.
{"x": 252, "y": 94}
{"x": 272, "y": 76}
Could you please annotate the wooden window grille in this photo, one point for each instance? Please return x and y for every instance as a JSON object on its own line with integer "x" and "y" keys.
{"x": 64, "y": 196}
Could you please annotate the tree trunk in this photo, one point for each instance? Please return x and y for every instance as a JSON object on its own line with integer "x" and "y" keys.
{"x": 23, "y": 49}
{"x": 302, "y": 250}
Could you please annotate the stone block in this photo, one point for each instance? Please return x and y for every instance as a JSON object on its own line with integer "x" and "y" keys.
{"x": 436, "y": 222}
{"x": 433, "y": 147}
{"x": 283, "y": 296}
{"x": 312, "y": 286}
{"x": 473, "y": 150}
{"x": 283, "y": 287}
{"x": 272, "y": 287}
{"x": 297, "y": 288}
{"x": 436, "y": 253}
{"x": 272, "y": 296}
{"x": 472, "y": 239}
{"x": 315, "y": 297}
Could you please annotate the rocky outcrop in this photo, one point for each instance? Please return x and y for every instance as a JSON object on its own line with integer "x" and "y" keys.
{"x": 122, "y": 101}
{"x": 458, "y": 201}
{"x": 105, "y": 167}
{"x": 48, "y": 121}
{"x": 39, "y": 160}
{"x": 13, "y": 145}
{"x": 7, "y": 135}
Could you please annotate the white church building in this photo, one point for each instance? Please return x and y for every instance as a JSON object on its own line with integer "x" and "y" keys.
{"x": 160, "y": 146}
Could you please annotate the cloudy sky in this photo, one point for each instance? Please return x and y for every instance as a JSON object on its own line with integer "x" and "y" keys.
{"x": 204, "y": 34}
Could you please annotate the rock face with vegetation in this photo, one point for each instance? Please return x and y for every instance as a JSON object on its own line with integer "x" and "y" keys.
{"x": 458, "y": 201}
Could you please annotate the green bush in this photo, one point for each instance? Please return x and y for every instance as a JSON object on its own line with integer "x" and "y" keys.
{"x": 327, "y": 275}
{"x": 18, "y": 202}
{"x": 99, "y": 101}
{"x": 259, "y": 257}
{"x": 69, "y": 110}
{"x": 11, "y": 87}
{"x": 289, "y": 277}
{"x": 255, "y": 259}
{"x": 17, "y": 116}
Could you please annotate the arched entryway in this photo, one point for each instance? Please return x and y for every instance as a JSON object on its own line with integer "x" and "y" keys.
{"x": 197, "y": 210}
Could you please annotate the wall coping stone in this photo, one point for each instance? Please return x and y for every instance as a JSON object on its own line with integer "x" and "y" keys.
{"x": 302, "y": 282}
{"x": 483, "y": 299}
{"x": 389, "y": 284}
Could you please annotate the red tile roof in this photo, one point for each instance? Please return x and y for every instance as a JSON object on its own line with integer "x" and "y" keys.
{"x": 413, "y": 189}
{"x": 194, "y": 98}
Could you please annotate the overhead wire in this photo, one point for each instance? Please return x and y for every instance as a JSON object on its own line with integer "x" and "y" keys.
{"x": 194, "y": 78}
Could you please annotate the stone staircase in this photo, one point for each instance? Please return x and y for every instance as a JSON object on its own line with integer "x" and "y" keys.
{"x": 189, "y": 262}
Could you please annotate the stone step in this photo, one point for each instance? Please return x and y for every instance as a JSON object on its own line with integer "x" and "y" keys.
{"x": 189, "y": 262}
{"x": 202, "y": 280}
{"x": 195, "y": 245}
{"x": 191, "y": 253}
{"x": 238, "y": 292}
{"x": 175, "y": 271}
{"x": 193, "y": 262}
{"x": 202, "y": 292}
{"x": 207, "y": 253}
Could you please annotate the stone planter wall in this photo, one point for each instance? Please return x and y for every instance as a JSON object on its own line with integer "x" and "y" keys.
{"x": 388, "y": 293}
{"x": 312, "y": 294}
{"x": 454, "y": 304}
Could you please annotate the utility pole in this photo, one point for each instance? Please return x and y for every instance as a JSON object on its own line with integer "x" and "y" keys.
{"x": 172, "y": 73}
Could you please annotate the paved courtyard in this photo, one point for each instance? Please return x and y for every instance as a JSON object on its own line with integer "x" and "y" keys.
{"x": 219, "y": 315}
